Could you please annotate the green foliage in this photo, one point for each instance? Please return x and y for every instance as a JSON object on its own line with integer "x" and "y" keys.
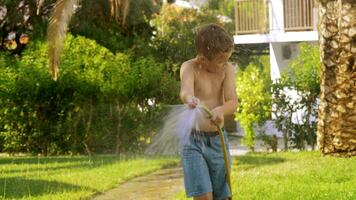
{"x": 270, "y": 141}
{"x": 303, "y": 77}
{"x": 254, "y": 96}
{"x": 112, "y": 33}
{"x": 21, "y": 18}
{"x": 101, "y": 26}
{"x": 174, "y": 41}
{"x": 222, "y": 7}
{"x": 100, "y": 101}
{"x": 283, "y": 109}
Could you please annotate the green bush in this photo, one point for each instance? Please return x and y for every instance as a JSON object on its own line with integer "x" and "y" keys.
{"x": 303, "y": 76}
{"x": 111, "y": 32}
{"x": 98, "y": 104}
{"x": 252, "y": 86}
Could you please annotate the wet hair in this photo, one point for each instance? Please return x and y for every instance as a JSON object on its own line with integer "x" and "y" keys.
{"x": 212, "y": 40}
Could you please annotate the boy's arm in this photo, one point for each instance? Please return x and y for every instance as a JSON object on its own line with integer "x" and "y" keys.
{"x": 187, "y": 85}
{"x": 231, "y": 103}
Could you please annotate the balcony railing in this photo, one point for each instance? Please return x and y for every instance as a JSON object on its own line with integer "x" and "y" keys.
{"x": 251, "y": 16}
{"x": 298, "y": 15}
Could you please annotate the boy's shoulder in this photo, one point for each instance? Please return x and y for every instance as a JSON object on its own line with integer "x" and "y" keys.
{"x": 230, "y": 68}
{"x": 192, "y": 63}
{"x": 189, "y": 65}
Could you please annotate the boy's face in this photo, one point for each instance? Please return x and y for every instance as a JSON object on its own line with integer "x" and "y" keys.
{"x": 218, "y": 62}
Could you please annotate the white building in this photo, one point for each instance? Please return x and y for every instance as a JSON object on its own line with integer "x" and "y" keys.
{"x": 280, "y": 23}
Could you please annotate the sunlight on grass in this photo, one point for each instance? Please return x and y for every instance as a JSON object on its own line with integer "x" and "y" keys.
{"x": 299, "y": 175}
{"x": 71, "y": 177}
{"x": 305, "y": 175}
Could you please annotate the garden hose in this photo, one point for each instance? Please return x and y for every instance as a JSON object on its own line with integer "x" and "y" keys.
{"x": 210, "y": 114}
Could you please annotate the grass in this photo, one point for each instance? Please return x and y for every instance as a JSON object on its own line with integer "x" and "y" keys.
{"x": 77, "y": 177}
{"x": 277, "y": 176}
{"x": 292, "y": 175}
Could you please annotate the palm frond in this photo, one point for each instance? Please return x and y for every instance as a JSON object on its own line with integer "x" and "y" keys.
{"x": 58, "y": 25}
{"x": 125, "y": 10}
{"x": 39, "y": 5}
{"x": 120, "y": 9}
{"x": 62, "y": 13}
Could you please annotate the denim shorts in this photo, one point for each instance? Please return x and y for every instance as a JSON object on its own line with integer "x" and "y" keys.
{"x": 204, "y": 166}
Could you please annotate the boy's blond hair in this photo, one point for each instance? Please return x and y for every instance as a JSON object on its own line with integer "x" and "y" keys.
{"x": 212, "y": 40}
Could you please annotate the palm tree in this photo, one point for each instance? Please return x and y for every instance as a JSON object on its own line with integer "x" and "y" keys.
{"x": 62, "y": 13}
{"x": 337, "y": 110}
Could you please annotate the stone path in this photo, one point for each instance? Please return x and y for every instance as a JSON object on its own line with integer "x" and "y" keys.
{"x": 163, "y": 184}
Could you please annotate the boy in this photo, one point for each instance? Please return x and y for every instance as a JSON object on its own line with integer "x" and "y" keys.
{"x": 208, "y": 79}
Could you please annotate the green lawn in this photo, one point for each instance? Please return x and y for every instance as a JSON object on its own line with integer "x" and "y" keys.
{"x": 288, "y": 176}
{"x": 70, "y": 177}
{"x": 278, "y": 176}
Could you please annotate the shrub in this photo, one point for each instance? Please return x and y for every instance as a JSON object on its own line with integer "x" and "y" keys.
{"x": 303, "y": 77}
{"x": 97, "y": 105}
{"x": 254, "y": 96}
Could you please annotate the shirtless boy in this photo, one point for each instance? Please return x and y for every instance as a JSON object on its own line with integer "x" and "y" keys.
{"x": 208, "y": 79}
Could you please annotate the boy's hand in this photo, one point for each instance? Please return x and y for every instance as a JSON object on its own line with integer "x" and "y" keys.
{"x": 192, "y": 101}
{"x": 218, "y": 116}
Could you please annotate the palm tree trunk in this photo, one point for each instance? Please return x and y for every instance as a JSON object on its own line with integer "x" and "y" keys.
{"x": 337, "y": 110}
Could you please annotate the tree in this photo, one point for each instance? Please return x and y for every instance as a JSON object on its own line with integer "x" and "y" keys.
{"x": 62, "y": 13}
{"x": 20, "y": 22}
{"x": 223, "y": 7}
{"x": 253, "y": 85}
{"x": 337, "y": 110}
{"x": 303, "y": 77}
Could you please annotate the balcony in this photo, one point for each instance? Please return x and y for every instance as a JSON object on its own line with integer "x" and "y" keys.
{"x": 251, "y": 16}
{"x": 263, "y": 16}
{"x": 298, "y": 15}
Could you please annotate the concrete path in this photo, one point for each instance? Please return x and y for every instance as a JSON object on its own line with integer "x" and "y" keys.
{"x": 163, "y": 184}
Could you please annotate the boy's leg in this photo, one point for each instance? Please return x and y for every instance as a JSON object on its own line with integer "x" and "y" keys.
{"x": 217, "y": 168}
{"x": 196, "y": 173}
{"x": 207, "y": 196}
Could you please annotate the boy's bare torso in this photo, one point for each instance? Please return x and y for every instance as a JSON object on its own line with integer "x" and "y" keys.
{"x": 208, "y": 87}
